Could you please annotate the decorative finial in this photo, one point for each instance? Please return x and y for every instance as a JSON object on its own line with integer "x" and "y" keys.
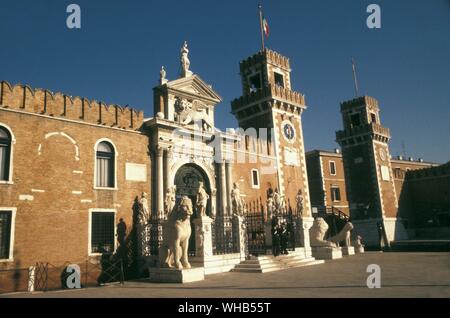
{"x": 184, "y": 61}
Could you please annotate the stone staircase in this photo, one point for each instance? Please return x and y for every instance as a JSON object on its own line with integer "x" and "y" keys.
{"x": 269, "y": 263}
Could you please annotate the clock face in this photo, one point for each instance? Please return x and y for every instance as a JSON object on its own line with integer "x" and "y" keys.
{"x": 288, "y": 131}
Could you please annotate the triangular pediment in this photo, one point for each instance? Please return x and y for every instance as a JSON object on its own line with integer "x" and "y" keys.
{"x": 194, "y": 85}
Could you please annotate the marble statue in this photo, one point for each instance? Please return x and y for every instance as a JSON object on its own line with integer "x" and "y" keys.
{"x": 144, "y": 214}
{"x": 176, "y": 234}
{"x": 194, "y": 112}
{"x": 184, "y": 60}
{"x": 317, "y": 234}
{"x": 359, "y": 247}
{"x": 162, "y": 73}
{"x": 270, "y": 207}
{"x": 202, "y": 200}
{"x": 299, "y": 201}
{"x": 236, "y": 200}
{"x": 169, "y": 200}
{"x": 343, "y": 235}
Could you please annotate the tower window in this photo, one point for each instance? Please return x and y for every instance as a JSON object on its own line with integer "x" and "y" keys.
{"x": 373, "y": 118}
{"x": 335, "y": 193}
{"x": 255, "y": 178}
{"x": 355, "y": 119}
{"x": 332, "y": 168}
{"x": 279, "y": 79}
{"x": 255, "y": 82}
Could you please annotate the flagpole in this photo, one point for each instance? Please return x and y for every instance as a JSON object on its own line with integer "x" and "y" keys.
{"x": 354, "y": 77}
{"x": 261, "y": 26}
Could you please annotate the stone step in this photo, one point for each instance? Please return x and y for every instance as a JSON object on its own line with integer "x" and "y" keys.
{"x": 271, "y": 263}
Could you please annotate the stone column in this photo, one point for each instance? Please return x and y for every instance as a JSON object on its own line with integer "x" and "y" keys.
{"x": 240, "y": 233}
{"x": 223, "y": 189}
{"x": 159, "y": 182}
{"x": 203, "y": 237}
{"x": 166, "y": 156}
{"x": 229, "y": 185}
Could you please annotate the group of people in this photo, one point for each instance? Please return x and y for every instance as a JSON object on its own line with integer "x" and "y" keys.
{"x": 280, "y": 237}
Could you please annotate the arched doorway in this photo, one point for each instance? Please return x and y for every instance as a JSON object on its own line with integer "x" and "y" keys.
{"x": 187, "y": 181}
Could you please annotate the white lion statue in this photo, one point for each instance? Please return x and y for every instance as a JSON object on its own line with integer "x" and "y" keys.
{"x": 176, "y": 234}
{"x": 343, "y": 235}
{"x": 317, "y": 233}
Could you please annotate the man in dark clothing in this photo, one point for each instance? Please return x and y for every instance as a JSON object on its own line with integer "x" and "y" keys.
{"x": 284, "y": 236}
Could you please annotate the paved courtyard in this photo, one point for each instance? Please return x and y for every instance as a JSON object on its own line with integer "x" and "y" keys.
{"x": 402, "y": 275}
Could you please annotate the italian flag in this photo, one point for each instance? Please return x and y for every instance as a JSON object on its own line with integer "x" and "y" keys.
{"x": 265, "y": 25}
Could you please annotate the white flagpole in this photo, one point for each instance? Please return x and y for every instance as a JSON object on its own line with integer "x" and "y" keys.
{"x": 354, "y": 77}
{"x": 261, "y": 25}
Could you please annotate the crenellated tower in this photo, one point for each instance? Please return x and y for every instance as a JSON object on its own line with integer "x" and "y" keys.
{"x": 368, "y": 172}
{"x": 268, "y": 102}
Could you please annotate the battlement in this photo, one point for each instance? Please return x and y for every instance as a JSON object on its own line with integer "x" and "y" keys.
{"x": 266, "y": 56}
{"x": 360, "y": 101}
{"x": 44, "y": 102}
{"x": 431, "y": 172}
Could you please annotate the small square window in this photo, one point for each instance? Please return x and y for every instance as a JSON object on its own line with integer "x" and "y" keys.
{"x": 335, "y": 194}
{"x": 355, "y": 120}
{"x": 255, "y": 82}
{"x": 279, "y": 79}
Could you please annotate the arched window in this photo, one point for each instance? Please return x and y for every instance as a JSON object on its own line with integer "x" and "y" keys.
{"x": 105, "y": 165}
{"x": 5, "y": 153}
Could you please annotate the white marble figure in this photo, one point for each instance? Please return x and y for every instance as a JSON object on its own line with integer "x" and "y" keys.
{"x": 194, "y": 112}
{"x": 144, "y": 214}
{"x": 358, "y": 244}
{"x": 176, "y": 234}
{"x": 202, "y": 200}
{"x": 169, "y": 200}
{"x": 317, "y": 233}
{"x": 236, "y": 200}
{"x": 162, "y": 73}
{"x": 184, "y": 60}
{"x": 270, "y": 207}
{"x": 343, "y": 235}
{"x": 278, "y": 202}
{"x": 299, "y": 201}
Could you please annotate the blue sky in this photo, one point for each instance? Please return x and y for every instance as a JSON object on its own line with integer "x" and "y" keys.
{"x": 116, "y": 55}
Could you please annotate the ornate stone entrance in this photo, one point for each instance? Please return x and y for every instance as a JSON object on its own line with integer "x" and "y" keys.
{"x": 187, "y": 180}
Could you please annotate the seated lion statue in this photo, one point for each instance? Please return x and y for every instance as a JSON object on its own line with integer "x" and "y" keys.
{"x": 317, "y": 233}
{"x": 176, "y": 233}
{"x": 343, "y": 235}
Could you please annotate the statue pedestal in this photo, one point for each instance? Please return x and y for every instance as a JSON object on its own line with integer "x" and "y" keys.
{"x": 359, "y": 249}
{"x": 303, "y": 226}
{"x": 203, "y": 237}
{"x": 240, "y": 232}
{"x": 348, "y": 250}
{"x": 327, "y": 252}
{"x": 172, "y": 275}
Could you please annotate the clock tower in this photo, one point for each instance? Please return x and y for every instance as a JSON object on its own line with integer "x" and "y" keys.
{"x": 268, "y": 102}
{"x": 368, "y": 172}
